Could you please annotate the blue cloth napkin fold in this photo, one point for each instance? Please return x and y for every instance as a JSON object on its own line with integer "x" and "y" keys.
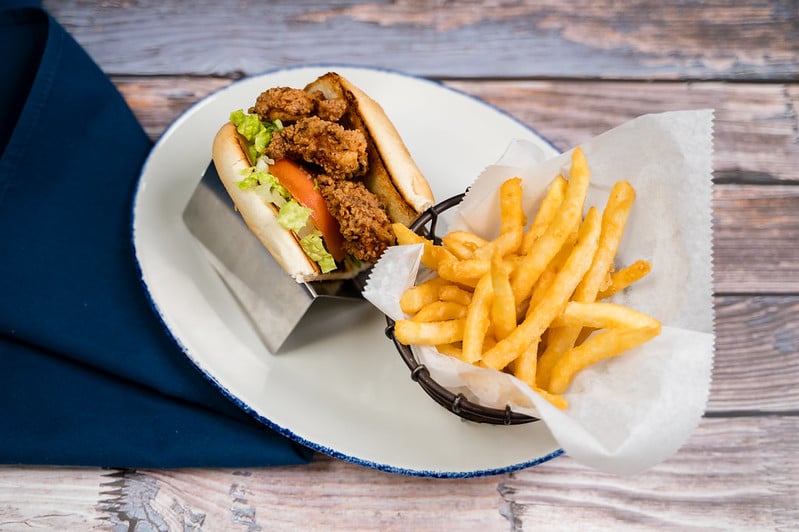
{"x": 88, "y": 375}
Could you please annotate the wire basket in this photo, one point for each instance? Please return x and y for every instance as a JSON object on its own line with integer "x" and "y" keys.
{"x": 458, "y": 404}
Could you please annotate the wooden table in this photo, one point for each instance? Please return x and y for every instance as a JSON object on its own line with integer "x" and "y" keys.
{"x": 570, "y": 70}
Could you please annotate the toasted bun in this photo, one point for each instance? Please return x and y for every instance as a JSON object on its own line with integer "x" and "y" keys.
{"x": 393, "y": 175}
{"x": 230, "y": 159}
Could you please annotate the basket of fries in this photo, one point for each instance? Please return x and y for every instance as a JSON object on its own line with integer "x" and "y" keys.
{"x": 526, "y": 302}
{"x": 529, "y": 297}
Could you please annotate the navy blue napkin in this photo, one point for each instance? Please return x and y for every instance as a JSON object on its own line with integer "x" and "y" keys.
{"x": 88, "y": 375}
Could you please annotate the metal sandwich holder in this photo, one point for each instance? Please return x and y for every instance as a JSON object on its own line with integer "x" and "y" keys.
{"x": 275, "y": 306}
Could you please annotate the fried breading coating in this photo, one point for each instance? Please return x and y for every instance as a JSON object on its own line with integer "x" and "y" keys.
{"x": 339, "y": 152}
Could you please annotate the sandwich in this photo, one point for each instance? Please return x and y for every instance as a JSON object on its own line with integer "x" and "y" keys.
{"x": 319, "y": 174}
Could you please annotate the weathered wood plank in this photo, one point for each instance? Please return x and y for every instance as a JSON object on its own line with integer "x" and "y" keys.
{"x": 326, "y": 495}
{"x": 157, "y": 102}
{"x": 754, "y": 239}
{"x": 609, "y": 40}
{"x": 731, "y": 474}
{"x": 756, "y": 125}
{"x": 756, "y": 366}
{"x": 332, "y": 495}
{"x": 50, "y": 498}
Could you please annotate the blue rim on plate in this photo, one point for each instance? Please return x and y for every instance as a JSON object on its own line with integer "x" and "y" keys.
{"x": 165, "y": 309}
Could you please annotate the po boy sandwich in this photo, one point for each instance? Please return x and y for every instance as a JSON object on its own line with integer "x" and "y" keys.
{"x": 319, "y": 174}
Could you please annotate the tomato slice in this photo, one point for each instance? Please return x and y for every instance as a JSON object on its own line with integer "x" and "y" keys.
{"x": 299, "y": 182}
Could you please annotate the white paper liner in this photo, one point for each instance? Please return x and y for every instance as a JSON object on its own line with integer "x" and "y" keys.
{"x": 631, "y": 412}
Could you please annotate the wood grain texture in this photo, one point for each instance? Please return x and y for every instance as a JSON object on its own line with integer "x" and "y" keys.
{"x": 49, "y": 498}
{"x": 157, "y": 102}
{"x": 609, "y": 40}
{"x": 755, "y": 237}
{"x": 730, "y": 475}
{"x": 756, "y": 125}
{"x": 756, "y": 364}
{"x": 740, "y": 474}
{"x": 349, "y": 498}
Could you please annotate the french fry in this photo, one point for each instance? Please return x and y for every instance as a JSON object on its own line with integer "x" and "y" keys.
{"x": 601, "y": 315}
{"x": 440, "y": 311}
{"x": 585, "y": 332}
{"x": 504, "y": 244}
{"x": 614, "y": 220}
{"x": 539, "y": 291}
{"x": 557, "y": 400}
{"x": 565, "y": 221}
{"x": 606, "y": 282}
{"x": 406, "y": 237}
{"x": 466, "y": 272}
{"x": 489, "y": 341}
{"x": 511, "y": 211}
{"x": 466, "y": 239}
{"x": 433, "y": 255}
{"x": 420, "y": 295}
{"x": 503, "y": 314}
{"x": 548, "y": 275}
{"x": 556, "y": 297}
{"x": 603, "y": 345}
{"x": 455, "y": 294}
{"x": 546, "y": 212}
{"x": 462, "y": 244}
{"x": 477, "y": 320}
{"x": 596, "y": 315}
{"x": 458, "y": 249}
{"x": 512, "y": 222}
{"x": 625, "y": 277}
{"x": 557, "y": 344}
{"x": 525, "y": 365}
{"x": 560, "y": 257}
{"x": 428, "y": 333}
{"x": 452, "y": 350}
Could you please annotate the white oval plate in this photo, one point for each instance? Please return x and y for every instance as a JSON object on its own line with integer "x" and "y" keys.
{"x": 341, "y": 388}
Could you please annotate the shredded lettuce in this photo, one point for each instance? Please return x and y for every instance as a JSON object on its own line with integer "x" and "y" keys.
{"x": 293, "y": 216}
{"x": 248, "y": 182}
{"x": 249, "y": 126}
{"x": 257, "y": 133}
{"x": 265, "y": 180}
{"x": 314, "y": 248}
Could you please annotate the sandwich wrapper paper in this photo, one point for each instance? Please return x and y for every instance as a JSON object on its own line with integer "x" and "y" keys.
{"x": 631, "y": 412}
